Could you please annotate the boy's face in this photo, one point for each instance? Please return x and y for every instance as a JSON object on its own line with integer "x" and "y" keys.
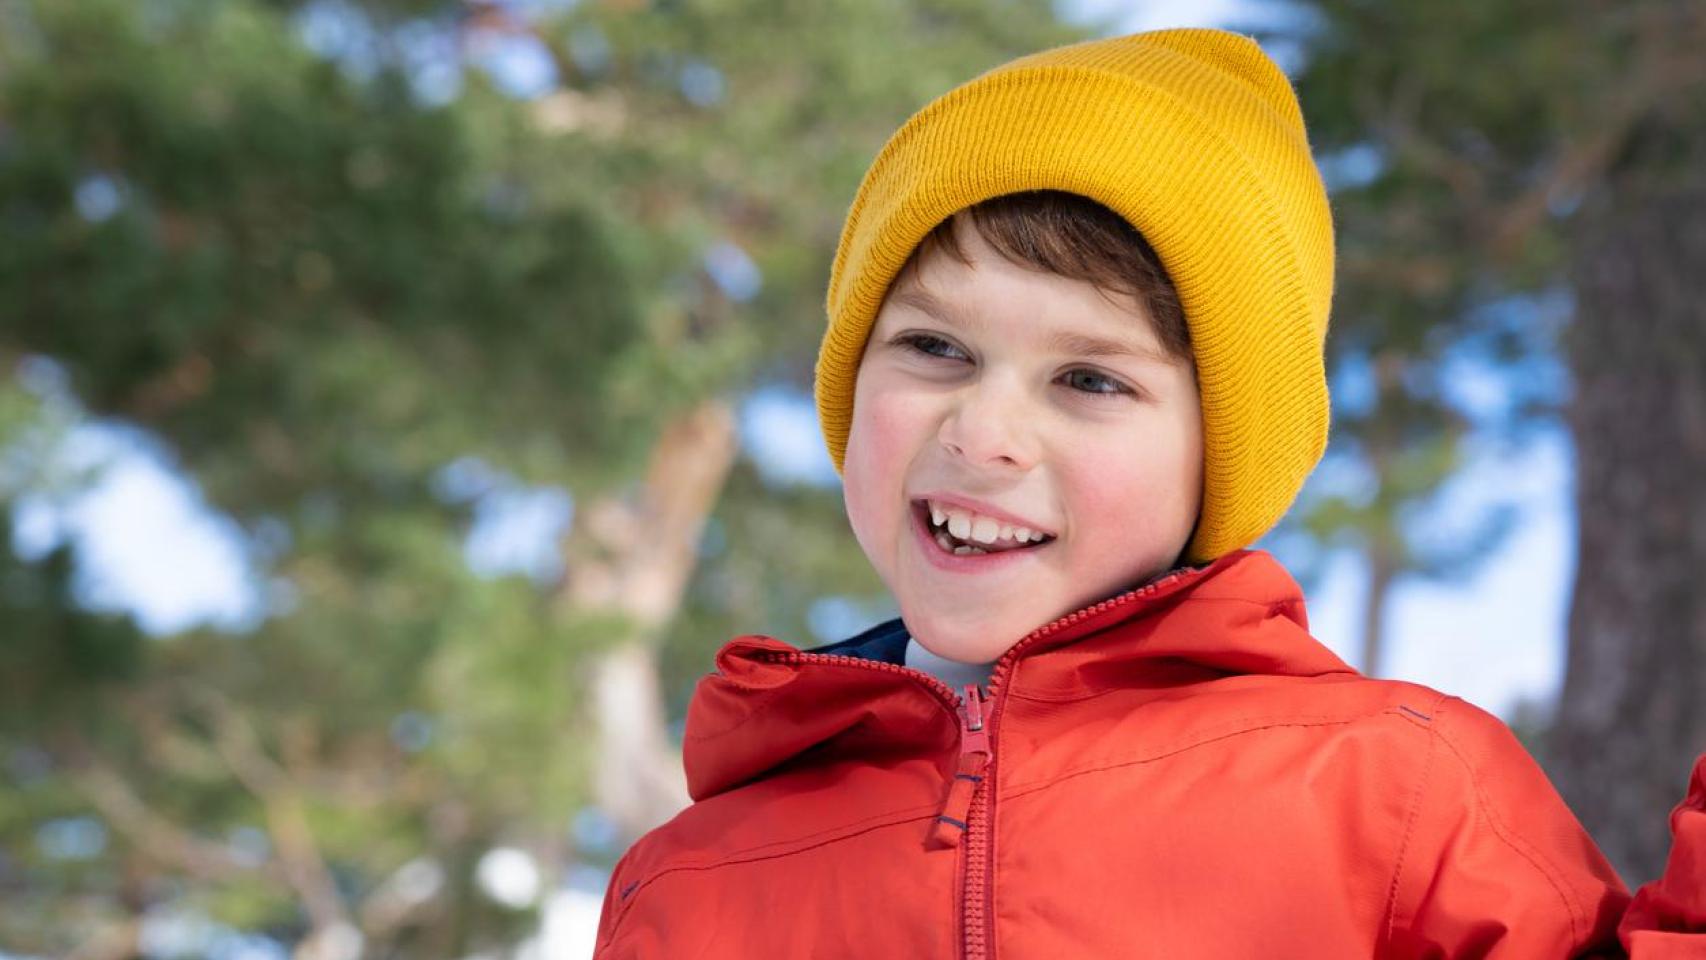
{"x": 967, "y": 391}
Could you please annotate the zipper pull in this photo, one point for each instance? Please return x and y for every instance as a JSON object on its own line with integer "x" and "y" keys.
{"x": 950, "y": 823}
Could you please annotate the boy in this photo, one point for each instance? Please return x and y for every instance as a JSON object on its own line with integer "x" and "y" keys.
{"x": 1074, "y": 367}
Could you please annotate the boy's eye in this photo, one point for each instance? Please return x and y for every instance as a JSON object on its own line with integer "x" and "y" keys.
{"x": 1084, "y": 381}
{"x": 1108, "y": 386}
{"x": 932, "y": 346}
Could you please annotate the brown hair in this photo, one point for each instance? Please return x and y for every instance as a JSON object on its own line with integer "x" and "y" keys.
{"x": 1077, "y": 238}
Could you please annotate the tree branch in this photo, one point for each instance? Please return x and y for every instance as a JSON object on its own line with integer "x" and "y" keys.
{"x": 156, "y": 837}
{"x": 287, "y": 820}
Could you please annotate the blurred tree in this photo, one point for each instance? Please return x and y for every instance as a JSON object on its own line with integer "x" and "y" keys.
{"x": 1407, "y": 139}
{"x": 350, "y": 287}
{"x": 1633, "y": 708}
{"x": 1467, "y": 140}
{"x": 276, "y": 270}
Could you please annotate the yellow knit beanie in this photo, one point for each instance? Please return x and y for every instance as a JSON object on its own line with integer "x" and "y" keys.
{"x": 1194, "y": 137}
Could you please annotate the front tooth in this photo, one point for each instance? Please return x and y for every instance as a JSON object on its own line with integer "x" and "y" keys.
{"x": 985, "y": 529}
{"x": 959, "y": 525}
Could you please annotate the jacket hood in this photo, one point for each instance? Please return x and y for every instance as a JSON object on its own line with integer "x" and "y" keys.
{"x": 770, "y": 704}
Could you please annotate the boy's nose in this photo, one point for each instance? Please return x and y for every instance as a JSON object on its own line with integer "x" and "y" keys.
{"x": 990, "y": 426}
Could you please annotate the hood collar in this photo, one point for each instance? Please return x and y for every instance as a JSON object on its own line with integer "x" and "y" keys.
{"x": 768, "y": 702}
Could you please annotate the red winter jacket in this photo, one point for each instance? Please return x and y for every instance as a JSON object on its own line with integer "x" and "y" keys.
{"x": 1180, "y": 771}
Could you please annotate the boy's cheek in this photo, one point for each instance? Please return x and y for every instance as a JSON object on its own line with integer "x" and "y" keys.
{"x": 882, "y": 433}
{"x": 874, "y": 476}
{"x": 1150, "y": 496}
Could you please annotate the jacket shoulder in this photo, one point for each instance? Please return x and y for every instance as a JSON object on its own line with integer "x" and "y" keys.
{"x": 1492, "y": 854}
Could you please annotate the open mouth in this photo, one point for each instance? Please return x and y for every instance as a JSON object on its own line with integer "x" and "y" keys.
{"x": 971, "y": 541}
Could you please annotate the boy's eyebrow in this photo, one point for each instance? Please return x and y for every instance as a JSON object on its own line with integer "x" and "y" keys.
{"x": 1076, "y": 344}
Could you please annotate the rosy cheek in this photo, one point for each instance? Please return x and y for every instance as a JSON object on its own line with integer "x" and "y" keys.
{"x": 876, "y": 462}
{"x": 1122, "y": 494}
{"x": 891, "y": 427}
{"x": 886, "y": 425}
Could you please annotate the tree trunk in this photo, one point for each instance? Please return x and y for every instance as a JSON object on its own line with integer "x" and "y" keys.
{"x": 1382, "y": 573}
{"x": 1633, "y": 710}
{"x": 635, "y": 558}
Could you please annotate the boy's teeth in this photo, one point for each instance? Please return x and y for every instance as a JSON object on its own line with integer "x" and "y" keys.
{"x": 986, "y": 530}
{"x": 959, "y": 525}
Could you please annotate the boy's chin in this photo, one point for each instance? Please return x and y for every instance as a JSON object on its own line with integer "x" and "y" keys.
{"x": 968, "y": 639}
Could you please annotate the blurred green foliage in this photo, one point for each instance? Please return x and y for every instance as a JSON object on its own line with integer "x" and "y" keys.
{"x": 1457, "y": 143}
{"x": 314, "y": 284}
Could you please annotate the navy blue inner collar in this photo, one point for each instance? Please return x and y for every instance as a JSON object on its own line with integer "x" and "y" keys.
{"x": 885, "y": 642}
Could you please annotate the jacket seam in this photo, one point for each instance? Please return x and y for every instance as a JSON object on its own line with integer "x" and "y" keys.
{"x": 851, "y": 828}
{"x": 1389, "y": 923}
{"x": 1264, "y": 604}
{"x": 1534, "y": 858}
{"x": 1181, "y": 746}
{"x": 1335, "y": 676}
{"x": 638, "y": 886}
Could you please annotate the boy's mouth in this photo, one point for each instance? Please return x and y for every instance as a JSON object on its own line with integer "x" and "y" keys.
{"x": 964, "y": 533}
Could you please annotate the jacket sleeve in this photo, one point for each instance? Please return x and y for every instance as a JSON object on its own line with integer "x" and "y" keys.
{"x": 612, "y": 901}
{"x": 1493, "y": 864}
{"x": 1667, "y": 920}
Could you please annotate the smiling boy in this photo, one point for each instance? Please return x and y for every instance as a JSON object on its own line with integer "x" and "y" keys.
{"x": 999, "y": 393}
{"x": 1073, "y": 369}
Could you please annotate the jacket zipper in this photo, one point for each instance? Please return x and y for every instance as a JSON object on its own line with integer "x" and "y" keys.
{"x": 979, "y": 905}
{"x": 952, "y": 820}
{"x": 968, "y": 809}
{"x": 976, "y": 925}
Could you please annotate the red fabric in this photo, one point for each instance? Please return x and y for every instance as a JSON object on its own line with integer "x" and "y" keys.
{"x": 1667, "y": 921}
{"x": 1179, "y": 772}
